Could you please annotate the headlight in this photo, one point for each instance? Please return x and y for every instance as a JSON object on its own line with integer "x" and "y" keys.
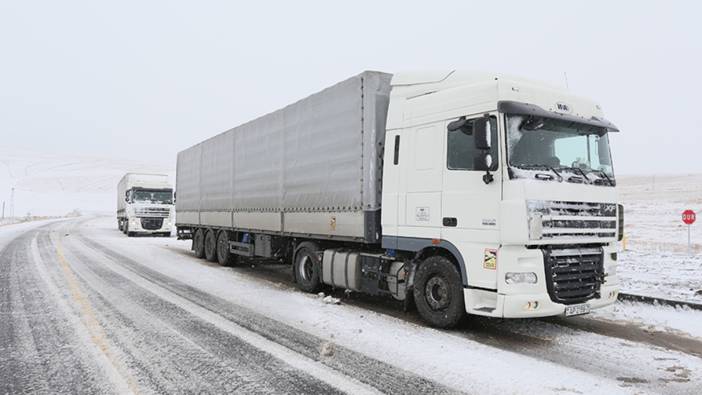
{"x": 520, "y": 278}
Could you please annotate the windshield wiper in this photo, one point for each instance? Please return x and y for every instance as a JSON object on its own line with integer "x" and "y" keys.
{"x": 541, "y": 167}
{"x": 576, "y": 169}
{"x": 603, "y": 174}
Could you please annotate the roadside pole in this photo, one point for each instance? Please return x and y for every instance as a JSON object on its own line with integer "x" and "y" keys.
{"x": 688, "y": 218}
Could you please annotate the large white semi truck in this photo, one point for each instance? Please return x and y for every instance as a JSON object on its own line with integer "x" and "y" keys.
{"x": 145, "y": 204}
{"x": 453, "y": 191}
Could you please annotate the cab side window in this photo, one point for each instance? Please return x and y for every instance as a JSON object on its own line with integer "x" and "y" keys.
{"x": 461, "y": 150}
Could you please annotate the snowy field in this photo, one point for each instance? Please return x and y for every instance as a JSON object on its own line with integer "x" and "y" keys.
{"x": 656, "y": 261}
{"x": 56, "y": 184}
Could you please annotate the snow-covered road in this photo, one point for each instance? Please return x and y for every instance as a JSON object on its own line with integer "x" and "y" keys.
{"x": 85, "y": 309}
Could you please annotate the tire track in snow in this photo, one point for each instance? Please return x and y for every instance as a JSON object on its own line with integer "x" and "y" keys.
{"x": 40, "y": 350}
{"x": 350, "y": 363}
{"x": 172, "y": 350}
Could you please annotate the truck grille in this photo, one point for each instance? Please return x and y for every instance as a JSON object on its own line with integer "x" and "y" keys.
{"x": 151, "y": 223}
{"x": 573, "y": 275}
{"x": 159, "y": 212}
{"x": 560, "y": 219}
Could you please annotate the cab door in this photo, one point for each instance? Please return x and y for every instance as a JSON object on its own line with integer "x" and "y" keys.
{"x": 470, "y": 206}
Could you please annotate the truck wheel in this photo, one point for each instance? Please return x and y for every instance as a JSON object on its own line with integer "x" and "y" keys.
{"x": 224, "y": 257}
{"x": 307, "y": 269}
{"x": 438, "y": 292}
{"x": 199, "y": 243}
{"x": 210, "y": 246}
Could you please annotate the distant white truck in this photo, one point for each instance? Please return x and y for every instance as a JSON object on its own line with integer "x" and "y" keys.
{"x": 145, "y": 204}
{"x": 459, "y": 192}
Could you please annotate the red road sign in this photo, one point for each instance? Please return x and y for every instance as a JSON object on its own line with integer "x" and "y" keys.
{"x": 689, "y": 217}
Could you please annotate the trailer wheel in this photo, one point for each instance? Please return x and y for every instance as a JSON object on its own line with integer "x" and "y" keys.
{"x": 210, "y": 246}
{"x": 438, "y": 292}
{"x": 224, "y": 256}
{"x": 199, "y": 243}
{"x": 307, "y": 269}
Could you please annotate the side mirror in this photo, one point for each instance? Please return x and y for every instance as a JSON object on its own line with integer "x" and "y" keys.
{"x": 126, "y": 196}
{"x": 482, "y": 133}
{"x": 483, "y": 161}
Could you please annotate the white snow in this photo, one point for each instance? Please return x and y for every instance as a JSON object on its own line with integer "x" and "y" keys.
{"x": 656, "y": 261}
{"x": 680, "y": 320}
{"x": 446, "y": 357}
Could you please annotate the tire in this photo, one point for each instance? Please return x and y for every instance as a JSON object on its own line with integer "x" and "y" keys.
{"x": 224, "y": 256}
{"x": 438, "y": 292}
{"x": 308, "y": 268}
{"x": 199, "y": 243}
{"x": 211, "y": 246}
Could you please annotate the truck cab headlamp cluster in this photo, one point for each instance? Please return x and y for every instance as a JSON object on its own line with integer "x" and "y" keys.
{"x": 520, "y": 278}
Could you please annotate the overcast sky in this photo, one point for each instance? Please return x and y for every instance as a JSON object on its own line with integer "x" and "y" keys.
{"x": 143, "y": 80}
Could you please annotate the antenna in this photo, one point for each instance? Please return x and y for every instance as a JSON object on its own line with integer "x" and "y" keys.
{"x": 565, "y": 77}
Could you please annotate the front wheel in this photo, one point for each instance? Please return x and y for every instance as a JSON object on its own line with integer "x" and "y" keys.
{"x": 438, "y": 292}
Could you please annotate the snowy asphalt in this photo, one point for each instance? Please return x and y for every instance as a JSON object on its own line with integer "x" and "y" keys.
{"x": 80, "y": 315}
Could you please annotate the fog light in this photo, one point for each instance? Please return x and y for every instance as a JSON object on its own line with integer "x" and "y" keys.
{"x": 613, "y": 294}
{"x": 520, "y": 278}
{"x": 532, "y": 305}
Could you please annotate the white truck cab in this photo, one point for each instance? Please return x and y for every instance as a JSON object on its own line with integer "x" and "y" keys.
{"x": 145, "y": 204}
{"x": 529, "y": 212}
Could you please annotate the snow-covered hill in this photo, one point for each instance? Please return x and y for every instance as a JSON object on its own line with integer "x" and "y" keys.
{"x": 55, "y": 184}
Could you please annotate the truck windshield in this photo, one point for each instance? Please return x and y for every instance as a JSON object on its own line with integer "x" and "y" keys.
{"x": 552, "y": 149}
{"x": 157, "y": 197}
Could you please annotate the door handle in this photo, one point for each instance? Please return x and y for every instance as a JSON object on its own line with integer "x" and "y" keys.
{"x": 450, "y": 221}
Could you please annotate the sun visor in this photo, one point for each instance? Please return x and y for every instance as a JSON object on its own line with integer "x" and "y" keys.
{"x": 518, "y": 108}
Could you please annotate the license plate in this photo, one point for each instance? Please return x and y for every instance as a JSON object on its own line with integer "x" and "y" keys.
{"x": 577, "y": 309}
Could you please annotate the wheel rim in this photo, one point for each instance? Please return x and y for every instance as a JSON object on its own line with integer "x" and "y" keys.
{"x": 437, "y": 294}
{"x": 305, "y": 268}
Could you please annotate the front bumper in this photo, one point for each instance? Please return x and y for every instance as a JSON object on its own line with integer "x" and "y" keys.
{"x": 533, "y": 300}
{"x": 135, "y": 225}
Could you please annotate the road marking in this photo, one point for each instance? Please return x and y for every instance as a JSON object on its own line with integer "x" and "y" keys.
{"x": 95, "y": 330}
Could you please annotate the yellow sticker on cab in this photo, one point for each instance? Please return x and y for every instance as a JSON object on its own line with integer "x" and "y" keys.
{"x": 490, "y": 259}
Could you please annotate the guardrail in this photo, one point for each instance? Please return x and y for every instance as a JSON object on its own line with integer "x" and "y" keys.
{"x": 660, "y": 301}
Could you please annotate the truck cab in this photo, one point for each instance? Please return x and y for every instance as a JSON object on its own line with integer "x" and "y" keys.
{"x": 510, "y": 180}
{"x": 145, "y": 205}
